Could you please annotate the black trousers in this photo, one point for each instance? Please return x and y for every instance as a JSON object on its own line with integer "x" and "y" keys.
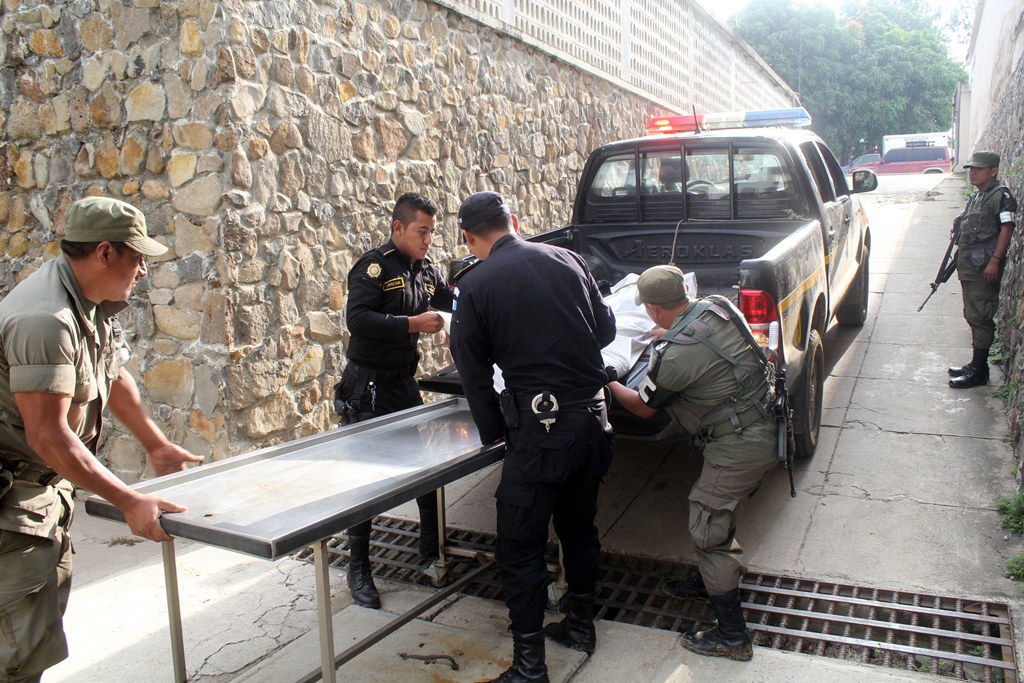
{"x": 550, "y": 476}
{"x": 388, "y": 396}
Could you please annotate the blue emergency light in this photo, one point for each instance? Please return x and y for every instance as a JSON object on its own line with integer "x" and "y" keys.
{"x": 795, "y": 117}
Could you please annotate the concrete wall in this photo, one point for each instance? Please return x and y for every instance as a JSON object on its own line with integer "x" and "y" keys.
{"x": 266, "y": 142}
{"x": 996, "y": 121}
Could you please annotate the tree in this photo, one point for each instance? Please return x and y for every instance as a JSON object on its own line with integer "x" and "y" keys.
{"x": 877, "y": 69}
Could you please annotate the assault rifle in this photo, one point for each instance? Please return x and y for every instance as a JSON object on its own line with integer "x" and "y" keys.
{"x": 786, "y": 442}
{"x": 948, "y": 265}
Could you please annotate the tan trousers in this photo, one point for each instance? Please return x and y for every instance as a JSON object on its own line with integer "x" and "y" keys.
{"x": 713, "y": 501}
{"x": 35, "y": 582}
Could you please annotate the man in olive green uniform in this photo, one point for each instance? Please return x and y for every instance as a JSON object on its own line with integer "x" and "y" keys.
{"x": 61, "y": 357}
{"x": 708, "y": 374}
{"x": 986, "y": 226}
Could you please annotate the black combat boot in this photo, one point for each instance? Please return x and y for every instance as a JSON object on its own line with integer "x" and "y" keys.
{"x": 690, "y": 587}
{"x": 527, "y": 660}
{"x": 959, "y": 370}
{"x": 360, "y": 578}
{"x": 729, "y": 638}
{"x": 576, "y": 630}
{"x": 973, "y": 376}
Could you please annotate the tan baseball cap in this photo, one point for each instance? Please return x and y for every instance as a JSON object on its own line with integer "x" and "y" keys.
{"x": 660, "y": 285}
{"x": 103, "y": 219}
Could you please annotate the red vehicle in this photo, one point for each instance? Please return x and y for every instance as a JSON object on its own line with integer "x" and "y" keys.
{"x": 911, "y": 160}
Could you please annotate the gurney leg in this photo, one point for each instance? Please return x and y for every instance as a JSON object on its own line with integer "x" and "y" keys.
{"x": 438, "y": 570}
{"x": 323, "y": 601}
{"x": 174, "y": 612}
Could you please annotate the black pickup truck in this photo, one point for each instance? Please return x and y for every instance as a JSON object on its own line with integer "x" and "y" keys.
{"x": 762, "y": 215}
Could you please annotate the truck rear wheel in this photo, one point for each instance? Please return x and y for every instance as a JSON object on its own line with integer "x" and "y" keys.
{"x": 807, "y": 400}
{"x": 854, "y": 309}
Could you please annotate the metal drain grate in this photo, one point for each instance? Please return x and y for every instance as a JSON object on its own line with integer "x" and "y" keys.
{"x": 962, "y": 639}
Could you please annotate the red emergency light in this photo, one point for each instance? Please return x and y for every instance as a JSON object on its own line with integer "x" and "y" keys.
{"x": 690, "y": 123}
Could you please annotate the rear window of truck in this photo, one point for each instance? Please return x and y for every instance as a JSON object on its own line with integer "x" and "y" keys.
{"x": 724, "y": 182}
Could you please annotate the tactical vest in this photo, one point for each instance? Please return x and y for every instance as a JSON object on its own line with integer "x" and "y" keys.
{"x": 754, "y": 376}
{"x": 979, "y": 226}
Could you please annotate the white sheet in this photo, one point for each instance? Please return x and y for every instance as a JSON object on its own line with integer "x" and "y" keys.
{"x": 633, "y": 327}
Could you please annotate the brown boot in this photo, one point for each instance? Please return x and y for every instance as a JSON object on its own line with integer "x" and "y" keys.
{"x": 729, "y": 638}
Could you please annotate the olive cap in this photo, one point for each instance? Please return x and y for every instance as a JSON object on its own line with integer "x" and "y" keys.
{"x": 660, "y": 285}
{"x": 103, "y": 219}
{"x": 983, "y": 160}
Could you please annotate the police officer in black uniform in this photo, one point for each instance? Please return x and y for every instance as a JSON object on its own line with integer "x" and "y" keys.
{"x": 390, "y": 290}
{"x": 986, "y": 227}
{"x": 536, "y": 312}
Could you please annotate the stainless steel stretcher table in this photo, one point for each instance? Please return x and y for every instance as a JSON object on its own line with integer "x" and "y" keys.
{"x": 275, "y": 500}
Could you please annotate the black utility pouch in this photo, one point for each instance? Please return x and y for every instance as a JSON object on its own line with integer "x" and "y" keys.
{"x": 348, "y": 393}
{"x": 341, "y": 405}
{"x": 509, "y": 411}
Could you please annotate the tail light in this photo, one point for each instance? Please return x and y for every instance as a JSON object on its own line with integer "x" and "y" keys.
{"x": 760, "y": 311}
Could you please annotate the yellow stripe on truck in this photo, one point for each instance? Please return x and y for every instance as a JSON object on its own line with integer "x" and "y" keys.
{"x": 800, "y": 289}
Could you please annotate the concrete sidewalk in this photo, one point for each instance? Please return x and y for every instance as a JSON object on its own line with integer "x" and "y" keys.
{"x": 899, "y": 495}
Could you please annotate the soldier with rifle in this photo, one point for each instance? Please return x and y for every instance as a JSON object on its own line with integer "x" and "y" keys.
{"x": 982, "y": 237}
{"x": 713, "y": 379}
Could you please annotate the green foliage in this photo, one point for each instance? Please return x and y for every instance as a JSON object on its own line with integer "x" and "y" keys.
{"x": 1016, "y": 173}
{"x": 877, "y": 69}
{"x": 1006, "y": 393}
{"x": 1012, "y": 511}
{"x": 1015, "y": 568}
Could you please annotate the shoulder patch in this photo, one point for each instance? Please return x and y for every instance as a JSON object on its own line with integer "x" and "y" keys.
{"x": 373, "y": 270}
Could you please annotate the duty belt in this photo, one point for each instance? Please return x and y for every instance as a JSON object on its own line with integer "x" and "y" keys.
{"x": 565, "y": 400}
{"x": 391, "y": 373}
{"x": 545, "y": 405}
{"x": 746, "y": 418}
{"x": 32, "y": 473}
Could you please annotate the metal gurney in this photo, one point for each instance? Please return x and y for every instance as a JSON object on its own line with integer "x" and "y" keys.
{"x": 272, "y": 501}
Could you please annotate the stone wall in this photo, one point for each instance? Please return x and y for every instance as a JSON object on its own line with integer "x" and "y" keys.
{"x": 266, "y": 142}
{"x": 1003, "y": 134}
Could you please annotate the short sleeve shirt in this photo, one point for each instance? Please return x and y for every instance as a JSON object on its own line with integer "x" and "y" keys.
{"x": 54, "y": 340}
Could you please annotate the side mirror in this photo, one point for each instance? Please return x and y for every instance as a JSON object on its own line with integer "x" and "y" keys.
{"x": 864, "y": 181}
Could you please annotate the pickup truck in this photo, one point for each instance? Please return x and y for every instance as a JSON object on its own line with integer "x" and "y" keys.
{"x": 758, "y": 209}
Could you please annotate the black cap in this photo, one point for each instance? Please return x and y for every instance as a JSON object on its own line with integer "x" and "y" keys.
{"x": 481, "y": 208}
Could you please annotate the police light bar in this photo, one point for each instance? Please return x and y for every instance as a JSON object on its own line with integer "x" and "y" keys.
{"x": 688, "y": 123}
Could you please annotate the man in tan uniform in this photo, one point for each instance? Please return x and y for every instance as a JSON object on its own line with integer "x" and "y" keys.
{"x": 708, "y": 374}
{"x": 61, "y": 357}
